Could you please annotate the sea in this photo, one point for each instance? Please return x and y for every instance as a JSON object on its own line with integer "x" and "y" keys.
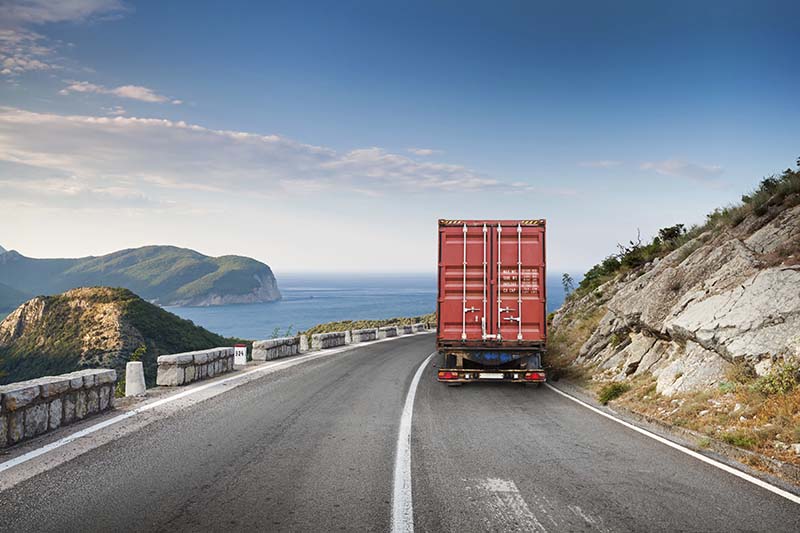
{"x": 311, "y": 299}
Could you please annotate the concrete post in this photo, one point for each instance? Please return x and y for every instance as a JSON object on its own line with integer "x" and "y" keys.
{"x": 134, "y": 379}
{"x": 240, "y": 354}
{"x": 348, "y": 337}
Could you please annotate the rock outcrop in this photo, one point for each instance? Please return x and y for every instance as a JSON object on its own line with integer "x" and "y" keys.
{"x": 92, "y": 327}
{"x": 730, "y": 295}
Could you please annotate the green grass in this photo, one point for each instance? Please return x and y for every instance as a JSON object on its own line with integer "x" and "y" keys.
{"x": 740, "y": 438}
{"x": 345, "y": 325}
{"x": 612, "y": 391}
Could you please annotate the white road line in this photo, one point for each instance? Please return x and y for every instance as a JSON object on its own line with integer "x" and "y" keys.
{"x": 268, "y": 368}
{"x": 738, "y": 473}
{"x": 402, "y": 506}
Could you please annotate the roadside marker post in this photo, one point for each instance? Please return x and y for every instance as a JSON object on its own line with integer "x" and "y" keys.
{"x": 134, "y": 379}
{"x": 240, "y": 354}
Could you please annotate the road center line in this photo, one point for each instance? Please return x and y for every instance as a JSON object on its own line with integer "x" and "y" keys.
{"x": 268, "y": 368}
{"x": 722, "y": 466}
{"x": 402, "y": 506}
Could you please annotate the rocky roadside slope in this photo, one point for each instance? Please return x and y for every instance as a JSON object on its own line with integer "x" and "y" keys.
{"x": 703, "y": 326}
{"x": 93, "y": 327}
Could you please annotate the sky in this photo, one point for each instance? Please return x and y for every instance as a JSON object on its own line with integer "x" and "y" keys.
{"x": 331, "y": 136}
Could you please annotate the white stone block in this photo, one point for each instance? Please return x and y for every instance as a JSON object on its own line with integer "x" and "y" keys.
{"x": 134, "y": 379}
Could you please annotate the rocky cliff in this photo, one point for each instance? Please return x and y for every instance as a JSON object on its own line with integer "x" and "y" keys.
{"x": 92, "y": 327}
{"x": 728, "y": 293}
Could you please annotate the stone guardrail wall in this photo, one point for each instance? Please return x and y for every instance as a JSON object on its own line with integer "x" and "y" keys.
{"x": 364, "y": 335}
{"x": 30, "y": 408}
{"x": 404, "y": 330}
{"x": 184, "y": 368}
{"x": 328, "y": 340}
{"x": 416, "y": 328}
{"x": 387, "y": 331}
{"x": 276, "y": 348}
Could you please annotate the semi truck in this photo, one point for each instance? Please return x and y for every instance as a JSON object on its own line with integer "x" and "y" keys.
{"x": 491, "y": 306}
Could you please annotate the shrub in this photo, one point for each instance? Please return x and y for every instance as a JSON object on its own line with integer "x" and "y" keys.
{"x": 616, "y": 339}
{"x": 612, "y": 391}
{"x": 780, "y": 380}
{"x": 740, "y": 373}
{"x": 740, "y": 438}
{"x": 726, "y": 387}
{"x": 138, "y": 353}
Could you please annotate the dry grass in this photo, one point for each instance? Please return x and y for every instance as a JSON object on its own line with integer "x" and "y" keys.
{"x": 736, "y": 412}
{"x": 564, "y": 343}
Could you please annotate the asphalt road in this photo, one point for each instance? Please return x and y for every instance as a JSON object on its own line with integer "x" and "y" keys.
{"x": 311, "y": 448}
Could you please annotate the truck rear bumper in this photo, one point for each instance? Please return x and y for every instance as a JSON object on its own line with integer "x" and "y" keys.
{"x": 460, "y": 375}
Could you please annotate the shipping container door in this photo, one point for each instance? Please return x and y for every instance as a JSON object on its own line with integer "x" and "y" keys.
{"x": 517, "y": 279}
{"x": 462, "y": 281}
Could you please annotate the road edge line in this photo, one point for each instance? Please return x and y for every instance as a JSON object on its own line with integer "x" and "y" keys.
{"x": 402, "y": 505}
{"x": 722, "y": 466}
{"x": 273, "y": 365}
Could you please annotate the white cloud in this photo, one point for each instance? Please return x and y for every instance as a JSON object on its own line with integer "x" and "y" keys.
{"x": 23, "y": 50}
{"x": 23, "y": 12}
{"x": 158, "y": 158}
{"x": 115, "y": 111}
{"x": 684, "y": 169}
{"x": 602, "y": 163}
{"x": 72, "y": 193}
{"x": 424, "y": 152}
{"x": 132, "y": 92}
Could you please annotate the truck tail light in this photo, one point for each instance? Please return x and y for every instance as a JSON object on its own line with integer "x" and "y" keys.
{"x": 534, "y": 376}
{"x": 448, "y": 375}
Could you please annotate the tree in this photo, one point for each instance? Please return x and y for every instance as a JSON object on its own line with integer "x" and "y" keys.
{"x": 671, "y": 233}
{"x": 138, "y": 353}
{"x": 567, "y": 283}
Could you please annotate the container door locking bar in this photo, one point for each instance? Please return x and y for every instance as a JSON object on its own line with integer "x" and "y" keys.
{"x": 499, "y": 279}
{"x": 519, "y": 281}
{"x": 464, "y": 289}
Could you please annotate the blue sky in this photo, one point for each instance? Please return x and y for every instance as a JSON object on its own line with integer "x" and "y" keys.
{"x": 332, "y": 135}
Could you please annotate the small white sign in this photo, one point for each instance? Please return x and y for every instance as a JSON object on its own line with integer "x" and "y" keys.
{"x": 240, "y": 354}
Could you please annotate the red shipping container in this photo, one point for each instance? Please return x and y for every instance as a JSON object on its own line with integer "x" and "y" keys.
{"x": 492, "y": 284}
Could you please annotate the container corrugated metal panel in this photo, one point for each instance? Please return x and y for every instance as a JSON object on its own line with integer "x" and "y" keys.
{"x": 492, "y": 283}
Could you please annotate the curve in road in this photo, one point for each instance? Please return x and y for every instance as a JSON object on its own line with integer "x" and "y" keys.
{"x": 312, "y": 448}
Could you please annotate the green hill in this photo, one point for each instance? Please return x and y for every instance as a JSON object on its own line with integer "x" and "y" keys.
{"x": 10, "y": 298}
{"x": 344, "y": 325}
{"x": 93, "y": 327}
{"x": 163, "y": 274}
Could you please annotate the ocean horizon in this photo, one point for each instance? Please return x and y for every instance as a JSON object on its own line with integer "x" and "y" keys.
{"x": 310, "y": 299}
